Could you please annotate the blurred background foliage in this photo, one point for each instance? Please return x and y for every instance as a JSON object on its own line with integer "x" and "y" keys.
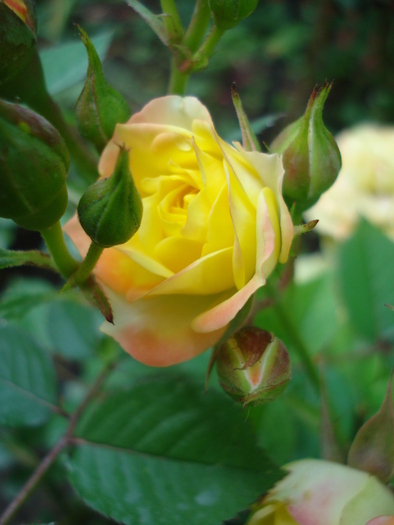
{"x": 276, "y": 56}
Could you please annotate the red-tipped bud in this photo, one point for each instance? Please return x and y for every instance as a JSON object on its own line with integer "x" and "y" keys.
{"x": 253, "y": 366}
{"x": 311, "y": 156}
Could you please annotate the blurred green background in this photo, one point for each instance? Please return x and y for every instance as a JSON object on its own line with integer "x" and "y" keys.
{"x": 276, "y": 56}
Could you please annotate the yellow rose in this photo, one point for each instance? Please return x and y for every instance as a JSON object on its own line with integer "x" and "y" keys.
{"x": 214, "y": 226}
{"x": 365, "y": 184}
{"x": 317, "y": 492}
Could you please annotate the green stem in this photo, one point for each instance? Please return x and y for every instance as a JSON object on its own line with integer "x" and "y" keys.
{"x": 299, "y": 345}
{"x": 209, "y": 43}
{"x": 178, "y": 80}
{"x": 172, "y": 22}
{"x": 87, "y": 265}
{"x": 32, "y": 482}
{"x": 54, "y": 239}
{"x": 64, "y": 442}
{"x": 198, "y": 25}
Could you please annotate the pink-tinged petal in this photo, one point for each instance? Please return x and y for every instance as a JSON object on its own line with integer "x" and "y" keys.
{"x": 317, "y": 491}
{"x": 173, "y": 110}
{"x": 219, "y": 316}
{"x": 286, "y": 225}
{"x": 381, "y": 520}
{"x": 157, "y": 330}
{"x": 223, "y": 313}
{"x": 76, "y": 233}
{"x": 119, "y": 270}
{"x": 270, "y": 169}
{"x": 108, "y": 159}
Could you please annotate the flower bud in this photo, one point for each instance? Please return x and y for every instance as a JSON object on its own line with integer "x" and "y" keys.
{"x": 229, "y": 13}
{"x": 320, "y": 493}
{"x": 110, "y": 210}
{"x": 18, "y": 36}
{"x": 34, "y": 163}
{"x": 99, "y": 106}
{"x": 311, "y": 156}
{"x": 253, "y": 367}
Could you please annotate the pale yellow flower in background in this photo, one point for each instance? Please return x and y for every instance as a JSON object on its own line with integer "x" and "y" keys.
{"x": 214, "y": 227}
{"x": 365, "y": 184}
{"x": 317, "y": 492}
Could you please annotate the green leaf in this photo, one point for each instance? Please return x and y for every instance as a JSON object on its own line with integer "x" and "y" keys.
{"x": 65, "y": 65}
{"x": 155, "y": 22}
{"x": 162, "y": 452}
{"x": 310, "y": 309}
{"x": 23, "y": 295}
{"x": 27, "y": 379}
{"x": 10, "y": 258}
{"x": 73, "y": 329}
{"x": 367, "y": 281}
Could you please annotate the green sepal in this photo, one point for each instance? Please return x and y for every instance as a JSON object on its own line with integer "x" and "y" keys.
{"x": 249, "y": 139}
{"x": 99, "y": 107}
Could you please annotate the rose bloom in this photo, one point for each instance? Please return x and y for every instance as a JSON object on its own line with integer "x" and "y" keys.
{"x": 317, "y": 492}
{"x": 214, "y": 227}
{"x": 365, "y": 184}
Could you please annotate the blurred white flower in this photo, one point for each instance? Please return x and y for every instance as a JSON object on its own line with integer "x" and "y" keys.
{"x": 365, "y": 184}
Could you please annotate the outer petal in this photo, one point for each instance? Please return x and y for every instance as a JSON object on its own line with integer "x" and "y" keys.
{"x": 157, "y": 330}
{"x": 323, "y": 493}
{"x": 375, "y": 500}
{"x": 224, "y": 312}
{"x": 165, "y": 112}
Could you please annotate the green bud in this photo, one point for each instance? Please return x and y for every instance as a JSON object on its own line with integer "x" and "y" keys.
{"x": 34, "y": 163}
{"x": 18, "y": 36}
{"x": 253, "y": 366}
{"x": 229, "y": 13}
{"x": 311, "y": 156}
{"x": 110, "y": 210}
{"x": 99, "y": 106}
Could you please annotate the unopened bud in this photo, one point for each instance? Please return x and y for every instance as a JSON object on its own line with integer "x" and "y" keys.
{"x": 110, "y": 210}
{"x": 253, "y": 366}
{"x": 34, "y": 163}
{"x": 18, "y": 36}
{"x": 99, "y": 106}
{"x": 229, "y": 13}
{"x": 311, "y": 156}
